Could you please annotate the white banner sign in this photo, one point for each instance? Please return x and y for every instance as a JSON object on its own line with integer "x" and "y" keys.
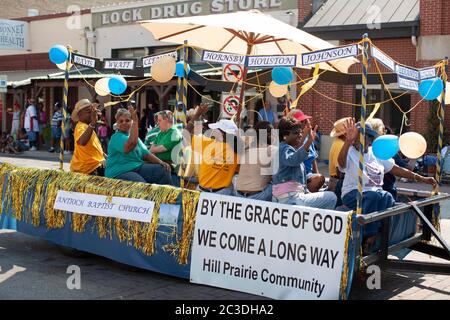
{"x": 384, "y": 59}
{"x": 223, "y": 57}
{"x": 13, "y": 35}
{"x": 410, "y": 73}
{"x": 408, "y": 84}
{"x": 272, "y": 61}
{"x": 427, "y": 73}
{"x": 119, "y": 64}
{"x": 98, "y": 205}
{"x": 147, "y": 62}
{"x": 3, "y": 84}
{"x": 269, "y": 249}
{"x": 85, "y": 61}
{"x": 329, "y": 54}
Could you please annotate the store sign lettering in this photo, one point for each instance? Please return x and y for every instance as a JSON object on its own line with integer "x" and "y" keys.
{"x": 186, "y": 8}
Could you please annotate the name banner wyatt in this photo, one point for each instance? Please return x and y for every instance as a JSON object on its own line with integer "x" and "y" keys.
{"x": 147, "y": 62}
{"x": 223, "y": 57}
{"x": 408, "y": 84}
{"x": 85, "y": 61}
{"x": 98, "y": 205}
{"x": 269, "y": 249}
{"x": 329, "y": 54}
{"x": 272, "y": 61}
{"x": 124, "y": 66}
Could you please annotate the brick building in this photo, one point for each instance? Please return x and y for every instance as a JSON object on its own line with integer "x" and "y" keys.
{"x": 414, "y": 33}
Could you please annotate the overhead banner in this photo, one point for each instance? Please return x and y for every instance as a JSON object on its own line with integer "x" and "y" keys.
{"x": 384, "y": 59}
{"x": 13, "y": 35}
{"x": 407, "y": 72}
{"x": 427, "y": 73}
{"x": 269, "y": 249}
{"x": 124, "y": 66}
{"x": 98, "y": 205}
{"x": 85, "y": 61}
{"x": 223, "y": 57}
{"x": 329, "y": 54}
{"x": 272, "y": 61}
{"x": 408, "y": 84}
{"x": 147, "y": 62}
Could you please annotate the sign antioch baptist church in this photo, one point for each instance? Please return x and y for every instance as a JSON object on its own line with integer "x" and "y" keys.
{"x": 105, "y": 17}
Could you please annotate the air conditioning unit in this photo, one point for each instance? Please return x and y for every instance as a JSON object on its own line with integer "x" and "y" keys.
{"x": 33, "y": 12}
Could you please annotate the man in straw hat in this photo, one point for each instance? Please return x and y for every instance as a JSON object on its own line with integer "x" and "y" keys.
{"x": 336, "y": 177}
{"x": 88, "y": 157}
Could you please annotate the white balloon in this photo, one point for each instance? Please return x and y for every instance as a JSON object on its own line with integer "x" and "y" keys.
{"x": 277, "y": 90}
{"x": 102, "y": 87}
{"x": 62, "y": 66}
{"x": 413, "y": 145}
{"x": 163, "y": 69}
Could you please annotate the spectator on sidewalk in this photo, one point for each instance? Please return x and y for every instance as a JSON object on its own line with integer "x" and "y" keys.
{"x": 31, "y": 124}
{"x": 56, "y": 128}
{"x": 15, "y": 120}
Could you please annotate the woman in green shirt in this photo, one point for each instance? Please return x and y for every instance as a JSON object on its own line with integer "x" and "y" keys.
{"x": 128, "y": 158}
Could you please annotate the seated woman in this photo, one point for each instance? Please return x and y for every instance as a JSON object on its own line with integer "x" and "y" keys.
{"x": 289, "y": 183}
{"x": 255, "y": 174}
{"x": 314, "y": 179}
{"x": 128, "y": 158}
{"x": 374, "y": 197}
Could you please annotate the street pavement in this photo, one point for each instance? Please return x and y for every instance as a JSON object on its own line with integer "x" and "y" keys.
{"x": 35, "y": 269}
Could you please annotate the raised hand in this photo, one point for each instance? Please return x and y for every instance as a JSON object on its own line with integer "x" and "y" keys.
{"x": 134, "y": 116}
{"x": 94, "y": 115}
{"x": 351, "y": 132}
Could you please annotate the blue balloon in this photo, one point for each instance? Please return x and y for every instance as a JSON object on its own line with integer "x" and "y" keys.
{"x": 58, "y": 54}
{"x": 180, "y": 69}
{"x": 385, "y": 147}
{"x": 117, "y": 84}
{"x": 430, "y": 89}
{"x": 282, "y": 75}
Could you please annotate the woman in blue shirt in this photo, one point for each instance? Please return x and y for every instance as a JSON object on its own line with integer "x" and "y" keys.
{"x": 289, "y": 183}
{"x": 128, "y": 158}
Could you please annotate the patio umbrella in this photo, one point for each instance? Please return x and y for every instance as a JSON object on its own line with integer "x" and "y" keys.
{"x": 246, "y": 33}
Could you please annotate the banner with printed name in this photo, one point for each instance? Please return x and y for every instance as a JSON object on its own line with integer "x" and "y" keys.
{"x": 98, "y": 205}
{"x": 268, "y": 249}
{"x": 85, "y": 61}
{"x": 325, "y": 55}
{"x": 147, "y": 62}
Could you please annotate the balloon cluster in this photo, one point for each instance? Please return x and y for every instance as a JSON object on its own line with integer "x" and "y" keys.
{"x": 113, "y": 85}
{"x": 165, "y": 68}
{"x": 281, "y": 77}
{"x": 412, "y": 144}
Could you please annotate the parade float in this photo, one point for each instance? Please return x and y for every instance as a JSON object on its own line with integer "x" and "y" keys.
{"x": 262, "y": 248}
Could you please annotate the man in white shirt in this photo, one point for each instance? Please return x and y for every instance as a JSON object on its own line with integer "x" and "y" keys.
{"x": 31, "y": 124}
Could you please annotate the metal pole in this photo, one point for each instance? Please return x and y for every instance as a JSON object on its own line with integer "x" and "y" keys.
{"x": 65, "y": 94}
{"x": 362, "y": 133}
{"x": 244, "y": 79}
{"x": 185, "y": 80}
{"x": 444, "y": 71}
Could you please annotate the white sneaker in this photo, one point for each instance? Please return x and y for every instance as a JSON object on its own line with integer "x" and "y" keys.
{"x": 33, "y": 149}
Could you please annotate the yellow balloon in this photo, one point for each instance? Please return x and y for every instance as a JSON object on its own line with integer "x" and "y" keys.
{"x": 277, "y": 90}
{"x": 62, "y": 66}
{"x": 163, "y": 69}
{"x": 102, "y": 87}
{"x": 413, "y": 145}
